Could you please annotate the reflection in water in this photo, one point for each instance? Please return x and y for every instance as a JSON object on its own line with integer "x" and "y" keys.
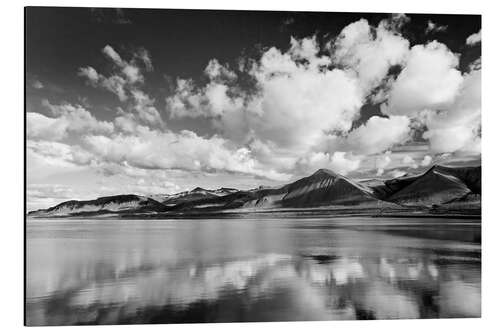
{"x": 110, "y": 272}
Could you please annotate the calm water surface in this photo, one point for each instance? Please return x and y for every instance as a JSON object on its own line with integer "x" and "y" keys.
{"x": 118, "y": 271}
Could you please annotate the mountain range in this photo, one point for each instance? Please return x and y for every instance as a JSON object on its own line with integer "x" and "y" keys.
{"x": 439, "y": 188}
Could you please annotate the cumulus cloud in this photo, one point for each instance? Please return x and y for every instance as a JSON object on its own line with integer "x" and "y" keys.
{"x": 383, "y": 162}
{"x": 90, "y": 73}
{"x": 473, "y": 39}
{"x": 303, "y": 105}
{"x": 434, "y": 27}
{"x": 276, "y": 120}
{"x": 145, "y": 109}
{"x": 378, "y": 134}
{"x": 429, "y": 80}
{"x": 144, "y": 55}
{"x": 298, "y": 103}
{"x": 426, "y": 161}
{"x": 130, "y": 69}
{"x": 370, "y": 52}
{"x": 297, "y": 100}
{"x": 58, "y": 154}
{"x": 151, "y": 149}
{"x": 287, "y": 112}
{"x": 114, "y": 83}
{"x": 128, "y": 77}
{"x": 445, "y": 103}
{"x": 37, "y": 84}
{"x": 127, "y": 85}
{"x": 409, "y": 162}
{"x": 458, "y": 127}
{"x": 113, "y": 55}
{"x": 215, "y": 70}
{"x": 340, "y": 162}
{"x": 138, "y": 147}
{"x": 209, "y": 101}
{"x": 68, "y": 119}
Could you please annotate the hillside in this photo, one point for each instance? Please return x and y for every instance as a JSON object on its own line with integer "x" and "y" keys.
{"x": 196, "y": 194}
{"x": 112, "y": 204}
{"x": 325, "y": 187}
{"x": 439, "y": 187}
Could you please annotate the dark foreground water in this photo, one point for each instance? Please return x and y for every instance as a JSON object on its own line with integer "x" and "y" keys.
{"x": 118, "y": 272}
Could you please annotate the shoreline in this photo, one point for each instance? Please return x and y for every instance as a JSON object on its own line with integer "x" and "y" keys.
{"x": 318, "y": 213}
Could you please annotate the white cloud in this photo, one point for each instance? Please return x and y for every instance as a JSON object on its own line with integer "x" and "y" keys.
{"x": 114, "y": 83}
{"x": 277, "y": 121}
{"x": 340, "y": 162}
{"x": 58, "y": 154}
{"x": 128, "y": 78}
{"x": 297, "y": 101}
{"x": 68, "y": 119}
{"x": 409, "y": 162}
{"x": 426, "y": 161}
{"x": 49, "y": 190}
{"x": 382, "y": 162}
{"x": 378, "y": 135}
{"x": 396, "y": 21}
{"x": 127, "y": 83}
{"x": 113, "y": 55}
{"x": 145, "y": 57}
{"x": 370, "y": 52}
{"x": 90, "y": 73}
{"x": 474, "y": 38}
{"x": 132, "y": 73}
{"x": 297, "y": 117}
{"x": 153, "y": 149}
{"x": 37, "y": 84}
{"x": 46, "y": 195}
{"x": 130, "y": 69}
{"x": 209, "y": 101}
{"x": 429, "y": 80}
{"x": 145, "y": 109}
{"x": 215, "y": 70}
{"x": 434, "y": 27}
{"x": 39, "y": 126}
{"x": 458, "y": 126}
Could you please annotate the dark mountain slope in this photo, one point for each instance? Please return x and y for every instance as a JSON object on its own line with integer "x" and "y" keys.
{"x": 118, "y": 203}
{"x": 325, "y": 187}
{"x": 193, "y": 195}
{"x": 470, "y": 176}
{"x": 437, "y": 186}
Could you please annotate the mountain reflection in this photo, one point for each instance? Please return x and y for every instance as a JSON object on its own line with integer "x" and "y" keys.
{"x": 149, "y": 287}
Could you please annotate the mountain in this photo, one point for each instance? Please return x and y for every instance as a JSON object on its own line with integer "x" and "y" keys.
{"x": 323, "y": 188}
{"x": 445, "y": 187}
{"x": 196, "y": 194}
{"x": 112, "y": 204}
{"x": 437, "y": 186}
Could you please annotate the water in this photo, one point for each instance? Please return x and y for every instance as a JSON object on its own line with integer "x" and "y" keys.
{"x": 171, "y": 271}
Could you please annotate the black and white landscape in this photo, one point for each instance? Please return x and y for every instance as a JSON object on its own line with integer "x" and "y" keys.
{"x": 221, "y": 166}
{"x": 439, "y": 190}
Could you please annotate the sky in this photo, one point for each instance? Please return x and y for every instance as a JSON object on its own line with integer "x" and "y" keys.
{"x": 161, "y": 101}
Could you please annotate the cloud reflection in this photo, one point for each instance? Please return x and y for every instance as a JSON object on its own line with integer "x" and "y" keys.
{"x": 344, "y": 288}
